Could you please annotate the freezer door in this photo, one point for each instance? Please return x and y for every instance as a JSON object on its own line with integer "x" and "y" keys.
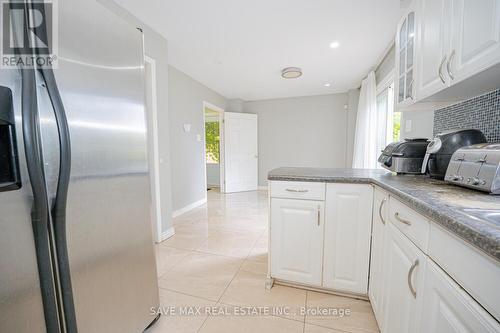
{"x": 21, "y": 309}
{"x": 110, "y": 246}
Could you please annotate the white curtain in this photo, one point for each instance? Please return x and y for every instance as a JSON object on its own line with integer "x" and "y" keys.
{"x": 367, "y": 126}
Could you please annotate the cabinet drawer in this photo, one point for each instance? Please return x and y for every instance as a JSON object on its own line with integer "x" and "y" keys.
{"x": 473, "y": 270}
{"x": 298, "y": 190}
{"x": 413, "y": 225}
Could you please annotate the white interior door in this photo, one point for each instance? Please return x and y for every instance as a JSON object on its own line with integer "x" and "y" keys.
{"x": 240, "y": 152}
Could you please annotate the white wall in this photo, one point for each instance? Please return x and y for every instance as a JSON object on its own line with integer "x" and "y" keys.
{"x": 302, "y": 131}
{"x": 422, "y": 124}
{"x": 156, "y": 47}
{"x": 186, "y": 97}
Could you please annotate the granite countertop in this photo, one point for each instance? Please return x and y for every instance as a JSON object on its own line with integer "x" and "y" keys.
{"x": 441, "y": 202}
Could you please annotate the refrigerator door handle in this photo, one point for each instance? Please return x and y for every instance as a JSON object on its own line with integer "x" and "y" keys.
{"x": 60, "y": 201}
{"x": 58, "y": 209}
{"x": 40, "y": 206}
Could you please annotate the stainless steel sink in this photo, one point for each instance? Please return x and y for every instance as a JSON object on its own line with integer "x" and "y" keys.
{"x": 490, "y": 215}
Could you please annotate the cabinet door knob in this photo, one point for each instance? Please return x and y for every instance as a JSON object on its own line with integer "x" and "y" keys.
{"x": 448, "y": 65}
{"x": 410, "y": 273}
{"x": 440, "y": 70}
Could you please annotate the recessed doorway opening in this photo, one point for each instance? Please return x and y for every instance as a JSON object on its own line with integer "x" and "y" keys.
{"x": 214, "y": 155}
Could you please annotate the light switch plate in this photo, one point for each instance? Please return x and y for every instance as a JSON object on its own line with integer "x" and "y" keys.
{"x": 408, "y": 125}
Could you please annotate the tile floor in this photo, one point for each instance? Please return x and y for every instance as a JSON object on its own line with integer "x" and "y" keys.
{"x": 217, "y": 262}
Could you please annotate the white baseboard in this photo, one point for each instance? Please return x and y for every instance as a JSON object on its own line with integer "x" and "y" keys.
{"x": 167, "y": 234}
{"x": 189, "y": 207}
{"x": 262, "y": 188}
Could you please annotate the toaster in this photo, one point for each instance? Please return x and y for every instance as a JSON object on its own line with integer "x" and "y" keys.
{"x": 404, "y": 156}
{"x": 477, "y": 167}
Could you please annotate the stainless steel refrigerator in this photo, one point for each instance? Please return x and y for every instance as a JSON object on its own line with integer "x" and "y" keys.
{"x": 76, "y": 248}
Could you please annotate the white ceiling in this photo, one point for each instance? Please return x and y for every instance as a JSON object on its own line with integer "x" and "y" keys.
{"x": 238, "y": 47}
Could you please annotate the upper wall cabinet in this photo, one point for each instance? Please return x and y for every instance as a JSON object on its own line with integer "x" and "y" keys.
{"x": 405, "y": 59}
{"x": 454, "y": 40}
{"x": 476, "y": 37}
{"x": 433, "y": 40}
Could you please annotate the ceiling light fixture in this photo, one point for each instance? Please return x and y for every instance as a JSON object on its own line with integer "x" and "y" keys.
{"x": 291, "y": 73}
{"x": 327, "y": 84}
{"x": 334, "y": 45}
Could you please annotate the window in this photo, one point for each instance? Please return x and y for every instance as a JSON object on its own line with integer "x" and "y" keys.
{"x": 386, "y": 115}
{"x": 212, "y": 140}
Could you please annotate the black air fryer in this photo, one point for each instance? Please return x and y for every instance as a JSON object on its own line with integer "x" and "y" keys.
{"x": 440, "y": 150}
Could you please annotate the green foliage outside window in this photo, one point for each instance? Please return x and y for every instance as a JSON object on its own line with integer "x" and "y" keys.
{"x": 397, "y": 126}
{"x": 212, "y": 140}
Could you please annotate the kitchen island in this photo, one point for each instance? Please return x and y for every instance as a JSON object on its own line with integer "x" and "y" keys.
{"x": 404, "y": 241}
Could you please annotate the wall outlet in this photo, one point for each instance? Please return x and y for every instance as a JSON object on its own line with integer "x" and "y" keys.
{"x": 198, "y": 137}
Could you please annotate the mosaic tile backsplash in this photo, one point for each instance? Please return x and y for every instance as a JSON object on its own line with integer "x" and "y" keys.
{"x": 482, "y": 112}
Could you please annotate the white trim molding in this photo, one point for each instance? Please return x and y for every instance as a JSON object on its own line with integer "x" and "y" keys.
{"x": 189, "y": 207}
{"x": 166, "y": 234}
{"x": 153, "y": 114}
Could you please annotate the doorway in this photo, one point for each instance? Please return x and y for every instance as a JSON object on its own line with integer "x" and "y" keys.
{"x": 153, "y": 150}
{"x": 213, "y": 152}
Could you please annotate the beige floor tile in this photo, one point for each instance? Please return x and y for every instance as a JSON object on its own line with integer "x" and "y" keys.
{"x": 248, "y": 289}
{"x": 168, "y": 257}
{"x": 254, "y": 267}
{"x": 260, "y": 249}
{"x": 258, "y": 324}
{"x": 230, "y": 243}
{"x": 360, "y": 319}
{"x": 185, "y": 241}
{"x": 318, "y": 329}
{"x": 238, "y": 221}
{"x": 202, "y": 275}
{"x": 175, "y": 321}
{"x": 236, "y": 225}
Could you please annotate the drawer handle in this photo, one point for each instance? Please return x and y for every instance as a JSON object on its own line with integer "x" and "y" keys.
{"x": 380, "y": 210}
{"x": 296, "y": 191}
{"x": 396, "y": 215}
{"x": 410, "y": 273}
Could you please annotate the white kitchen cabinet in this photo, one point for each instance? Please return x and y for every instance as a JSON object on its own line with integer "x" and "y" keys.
{"x": 297, "y": 240}
{"x": 447, "y": 308}
{"x": 455, "y": 40}
{"x": 404, "y": 269}
{"x": 405, "y": 59}
{"x": 433, "y": 44}
{"x": 377, "y": 269}
{"x": 347, "y": 237}
{"x": 476, "y": 37}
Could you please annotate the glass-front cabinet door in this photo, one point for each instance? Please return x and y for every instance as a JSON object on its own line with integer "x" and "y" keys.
{"x": 405, "y": 59}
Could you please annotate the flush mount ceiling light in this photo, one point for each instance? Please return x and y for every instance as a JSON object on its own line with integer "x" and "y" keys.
{"x": 291, "y": 73}
{"x": 334, "y": 45}
{"x": 327, "y": 84}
